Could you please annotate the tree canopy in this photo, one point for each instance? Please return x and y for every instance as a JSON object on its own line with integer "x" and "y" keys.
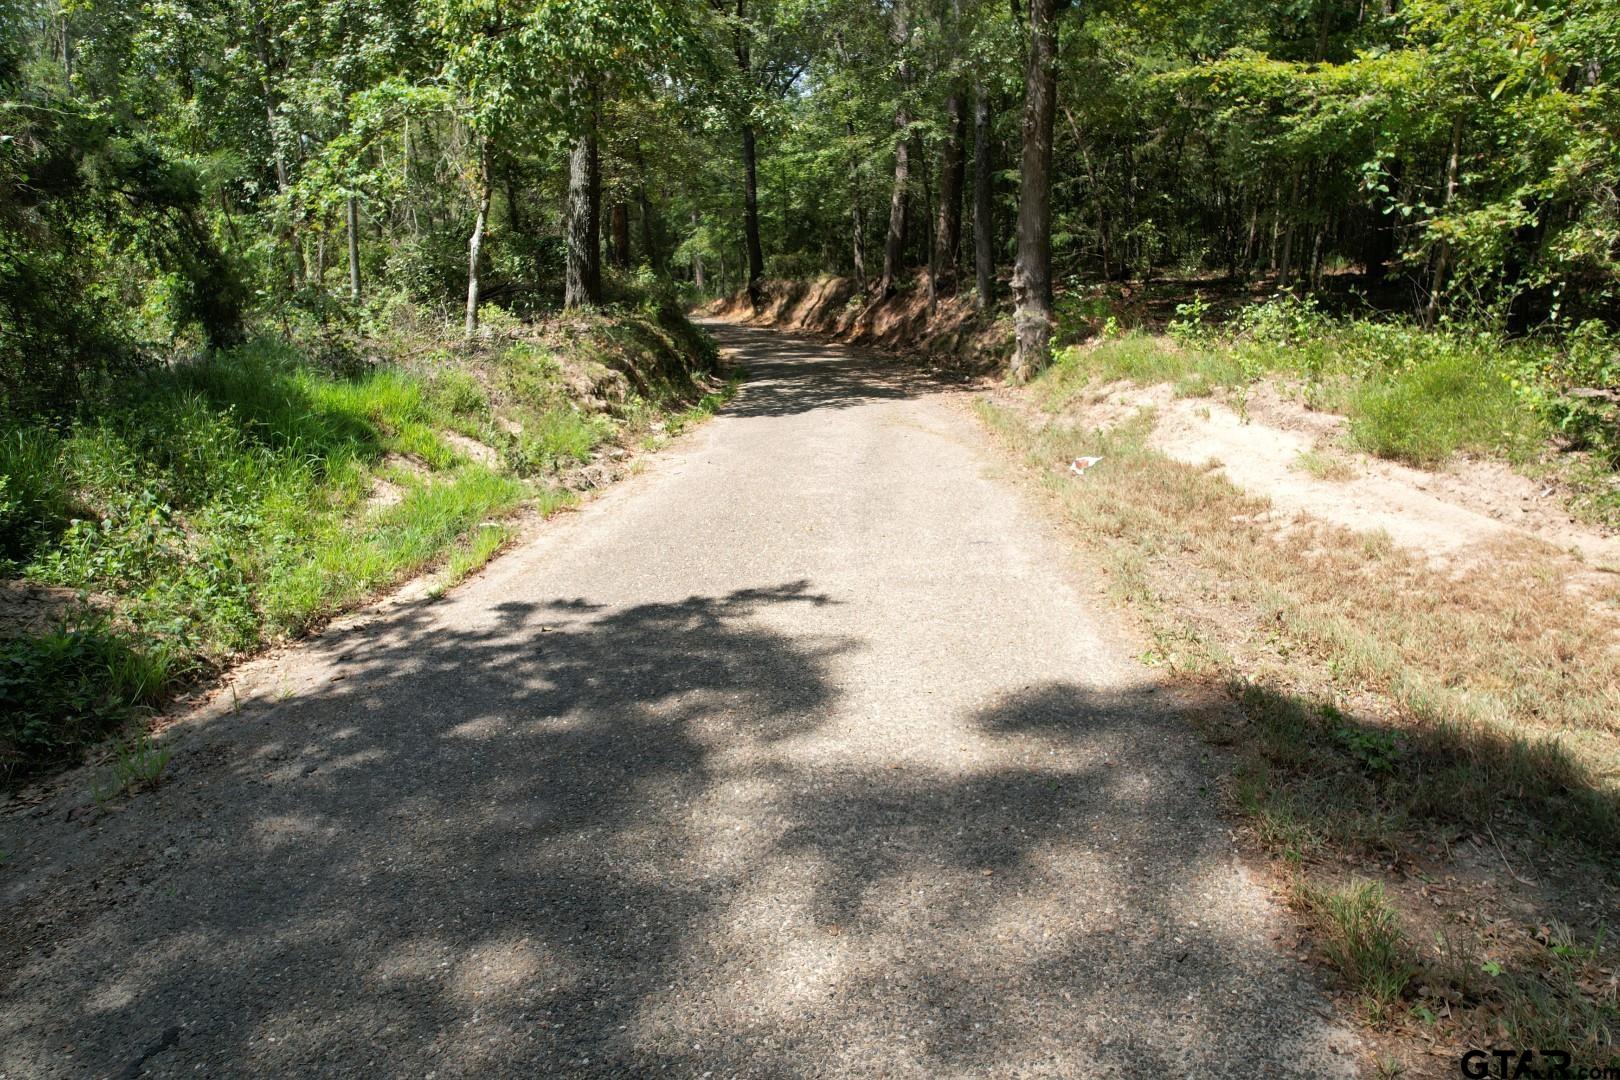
{"x": 176, "y": 170}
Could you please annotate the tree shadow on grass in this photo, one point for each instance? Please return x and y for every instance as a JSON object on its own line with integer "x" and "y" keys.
{"x": 1320, "y": 772}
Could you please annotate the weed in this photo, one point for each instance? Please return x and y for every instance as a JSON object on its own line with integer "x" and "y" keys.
{"x": 1325, "y": 466}
{"x": 1363, "y": 941}
{"x": 1427, "y": 413}
{"x": 136, "y": 764}
{"x": 471, "y": 554}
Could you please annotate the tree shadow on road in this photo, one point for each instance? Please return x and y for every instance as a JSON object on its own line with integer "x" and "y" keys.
{"x": 584, "y": 839}
{"x": 789, "y": 375}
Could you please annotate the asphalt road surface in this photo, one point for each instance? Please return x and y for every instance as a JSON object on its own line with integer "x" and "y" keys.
{"x": 804, "y": 753}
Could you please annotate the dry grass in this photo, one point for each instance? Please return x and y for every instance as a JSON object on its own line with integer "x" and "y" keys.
{"x": 1386, "y": 709}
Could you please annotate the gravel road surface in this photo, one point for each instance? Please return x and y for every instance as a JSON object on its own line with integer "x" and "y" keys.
{"x": 803, "y": 753}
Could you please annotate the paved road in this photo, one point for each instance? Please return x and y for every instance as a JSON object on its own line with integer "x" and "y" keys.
{"x": 798, "y": 755}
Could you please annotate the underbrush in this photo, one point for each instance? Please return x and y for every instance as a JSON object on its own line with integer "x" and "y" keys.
{"x": 204, "y": 509}
{"x": 1384, "y": 714}
{"x": 1410, "y": 394}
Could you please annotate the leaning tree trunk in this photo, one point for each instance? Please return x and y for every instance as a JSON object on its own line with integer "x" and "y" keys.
{"x": 475, "y": 246}
{"x": 952, "y": 173}
{"x": 984, "y": 246}
{"x": 1032, "y": 274}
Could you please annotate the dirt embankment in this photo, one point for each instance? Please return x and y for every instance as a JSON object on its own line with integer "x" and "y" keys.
{"x": 948, "y": 329}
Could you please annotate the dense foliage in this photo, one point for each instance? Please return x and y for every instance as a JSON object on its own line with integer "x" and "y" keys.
{"x": 172, "y": 172}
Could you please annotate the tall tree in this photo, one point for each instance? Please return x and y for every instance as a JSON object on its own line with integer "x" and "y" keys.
{"x": 984, "y": 244}
{"x": 894, "y": 242}
{"x": 1032, "y": 272}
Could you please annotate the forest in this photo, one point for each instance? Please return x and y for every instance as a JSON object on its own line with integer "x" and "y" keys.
{"x": 180, "y": 176}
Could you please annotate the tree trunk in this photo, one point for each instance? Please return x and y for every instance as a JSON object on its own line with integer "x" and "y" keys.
{"x": 621, "y": 235}
{"x": 475, "y": 246}
{"x": 288, "y": 231}
{"x": 697, "y": 258}
{"x": 755, "y": 254}
{"x": 894, "y": 244}
{"x": 1288, "y": 232}
{"x": 857, "y": 215}
{"x": 1442, "y": 262}
{"x": 984, "y": 247}
{"x": 649, "y": 248}
{"x": 582, "y": 267}
{"x": 352, "y": 206}
{"x": 593, "y": 207}
{"x": 1032, "y": 274}
{"x": 952, "y": 170}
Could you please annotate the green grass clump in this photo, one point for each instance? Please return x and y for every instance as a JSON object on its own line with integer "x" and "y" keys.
{"x": 1426, "y": 414}
{"x": 222, "y": 504}
{"x": 67, "y": 687}
{"x": 1363, "y": 940}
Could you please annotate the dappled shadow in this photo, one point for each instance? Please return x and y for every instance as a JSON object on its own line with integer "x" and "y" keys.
{"x": 592, "y": 839}
{"x": 788, "y": 374}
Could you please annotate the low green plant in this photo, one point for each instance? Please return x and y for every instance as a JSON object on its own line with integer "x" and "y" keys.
{"x": 1363, "y": 941}
{"x": 1192, "y": 326}
{"x": 1325, "y": 466}
{"x": 65, "y": 688}
{"x": 1432, "y": 408}
{"x": 137, "y": 763}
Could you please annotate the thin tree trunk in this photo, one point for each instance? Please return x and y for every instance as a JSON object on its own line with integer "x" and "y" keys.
{"x": 621, "y": 235}
{"x": 475, "y": 246}
{"x": 894, "y": 243}
{"x": 1096, "y": 189}
{"x": 697, "y": 258}
{"x": 288, "y": 231}
{"x": 857, "y": 215}
{"x": 1032, "y": 274}
{"x": 755, "y": 254}
{"x": 352, "y": 221}
{"x": 1288, "y": 232}
{"x": 926, "y": 255}
{"x": 984, "y": 248}
{"x": 514, "y": 213}
{"x": 1442, "y": 262}
{"x": 649, "y": 248}
{"x": 593, "y": 205}
{"x": 952, "y": 173}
